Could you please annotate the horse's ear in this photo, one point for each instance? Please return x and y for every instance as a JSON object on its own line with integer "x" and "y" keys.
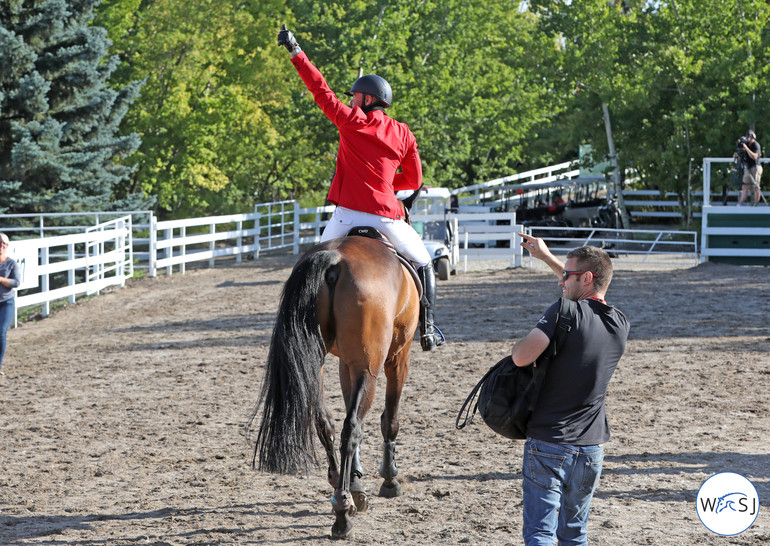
{"x": 409, "y": 201}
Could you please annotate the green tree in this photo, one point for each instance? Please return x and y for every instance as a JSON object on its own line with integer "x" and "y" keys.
{"x": 206, "y": 115}
{"x": 60, "y": 147}
{"x": 682, "y": 80}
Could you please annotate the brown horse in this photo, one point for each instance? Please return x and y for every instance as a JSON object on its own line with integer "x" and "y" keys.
{"x": 353, "y": 298}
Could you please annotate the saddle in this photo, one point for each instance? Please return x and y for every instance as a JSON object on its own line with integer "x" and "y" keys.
{"x": 373, "y": 233}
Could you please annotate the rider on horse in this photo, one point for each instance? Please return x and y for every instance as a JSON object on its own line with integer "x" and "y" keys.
{"x": 372, "y": 148}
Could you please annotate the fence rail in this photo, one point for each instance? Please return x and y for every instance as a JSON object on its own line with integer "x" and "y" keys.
{"x": 626, "y": 246}
{"x": 92, "y": 260}
{"x": 212, "y": 237}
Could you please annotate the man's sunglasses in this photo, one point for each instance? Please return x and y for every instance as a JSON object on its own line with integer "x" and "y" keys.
{"x": 565, "y": 274}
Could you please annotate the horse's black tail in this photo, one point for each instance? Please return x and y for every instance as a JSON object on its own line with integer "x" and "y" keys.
{"x": 290, "y": 395}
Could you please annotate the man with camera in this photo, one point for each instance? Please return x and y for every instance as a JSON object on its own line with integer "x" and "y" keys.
{"x": 749, "y": 151}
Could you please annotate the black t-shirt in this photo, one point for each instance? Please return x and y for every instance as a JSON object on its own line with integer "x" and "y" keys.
{"x": 757, "y": 149}
{"x": 570, "y": 409}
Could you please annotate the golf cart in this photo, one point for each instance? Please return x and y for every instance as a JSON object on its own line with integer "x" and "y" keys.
{"x": 432, "y": 219}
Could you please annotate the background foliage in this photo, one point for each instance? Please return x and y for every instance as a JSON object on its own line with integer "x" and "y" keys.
{"x": 60, "y": 150}
{"x": 489, "y": 88}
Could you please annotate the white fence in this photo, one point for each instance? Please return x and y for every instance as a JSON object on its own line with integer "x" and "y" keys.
{"x": 483, "y": 235}
{"x": 628, "y": 247}
{"x": 202, "y": 239}
{"x": 730, "y": 233}
{"x": 105, "y": 254}
{"x": 67, "y": 266}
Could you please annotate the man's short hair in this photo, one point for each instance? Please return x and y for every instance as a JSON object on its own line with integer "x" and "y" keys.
{"x": 595, "y": 260}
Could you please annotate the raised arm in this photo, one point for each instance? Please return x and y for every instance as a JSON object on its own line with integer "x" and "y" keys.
{"x": 537, "y": 247}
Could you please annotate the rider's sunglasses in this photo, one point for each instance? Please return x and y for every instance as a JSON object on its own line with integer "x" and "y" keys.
{"x": 565, "y": 274}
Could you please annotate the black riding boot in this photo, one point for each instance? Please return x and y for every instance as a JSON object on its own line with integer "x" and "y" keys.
{"x": 429, "y": 336}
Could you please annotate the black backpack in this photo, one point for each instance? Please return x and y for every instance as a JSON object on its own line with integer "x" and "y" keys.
{"x": 507, "y": 393}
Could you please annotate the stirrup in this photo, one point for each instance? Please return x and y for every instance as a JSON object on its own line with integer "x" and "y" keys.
{"x": 429, "y": 341}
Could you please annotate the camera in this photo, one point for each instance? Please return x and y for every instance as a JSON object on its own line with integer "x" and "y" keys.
{"x": 740, "y": 152}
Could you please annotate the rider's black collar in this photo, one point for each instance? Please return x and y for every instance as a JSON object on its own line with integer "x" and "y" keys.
{"x": 368, "y": 109}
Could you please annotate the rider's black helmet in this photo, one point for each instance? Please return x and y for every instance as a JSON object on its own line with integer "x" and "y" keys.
{"x": 374, "y": 86}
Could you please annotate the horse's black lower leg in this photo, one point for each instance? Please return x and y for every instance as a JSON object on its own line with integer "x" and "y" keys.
{"x": 388, "y": 468}
{"x": 388, "y": 471}
{"x": 343, "y": 502}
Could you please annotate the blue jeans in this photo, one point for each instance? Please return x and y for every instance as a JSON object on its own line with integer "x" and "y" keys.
{"x": 7, "y": 309}
{"x": 559, "y": 482}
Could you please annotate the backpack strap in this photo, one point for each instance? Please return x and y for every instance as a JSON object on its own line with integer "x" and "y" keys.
{"x": 564, "y": 324}
{"x": 565, "y": 320}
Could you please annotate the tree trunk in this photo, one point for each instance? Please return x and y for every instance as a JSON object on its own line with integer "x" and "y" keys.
{"x": 621, "y": 204}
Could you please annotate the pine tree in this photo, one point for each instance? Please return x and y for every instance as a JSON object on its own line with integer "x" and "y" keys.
{"x": 60, "y": 147}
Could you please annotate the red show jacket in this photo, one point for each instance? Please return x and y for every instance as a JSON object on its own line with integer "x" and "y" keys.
{"x": 372, "y": 148}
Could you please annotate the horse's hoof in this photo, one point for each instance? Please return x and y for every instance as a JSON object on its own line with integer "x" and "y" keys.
{"x": 342, "y": 530}
{"x": 358, "y": 492}
{"x": 390, "y": 490}
{"x": 361, "y": 500}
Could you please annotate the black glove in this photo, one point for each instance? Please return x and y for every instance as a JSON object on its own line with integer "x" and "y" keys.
{"x": 286, "y": 39}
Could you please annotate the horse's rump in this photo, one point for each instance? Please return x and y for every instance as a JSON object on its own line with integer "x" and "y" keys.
{"x": 350, "y": 297}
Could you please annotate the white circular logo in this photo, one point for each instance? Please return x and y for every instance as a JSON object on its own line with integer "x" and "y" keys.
{"x": 727, "y": 503}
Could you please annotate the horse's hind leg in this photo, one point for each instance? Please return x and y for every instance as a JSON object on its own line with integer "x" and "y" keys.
{"x": 325, "y": 429}
{"x": 395, "y": 372}
{"x": 344, "y": 501}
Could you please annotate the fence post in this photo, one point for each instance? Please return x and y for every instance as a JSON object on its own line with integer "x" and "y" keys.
{"x": 239, "y": 241}
{"x": 128, "y": 246}
{"x": 153, "y": 245}
{"x": 168, "y": 235}
{"x": 183, "y": 248}
{"x": 71, "y": 272}
{"x": 295, "y": 248}
{"x": 517, "y": 250}
{"x": 44, "y": 280}
{"x": 258, "y": 236}
{"x": 212, "y": 244}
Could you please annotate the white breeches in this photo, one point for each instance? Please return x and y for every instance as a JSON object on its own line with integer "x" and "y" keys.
{"x": 406, "y": 240}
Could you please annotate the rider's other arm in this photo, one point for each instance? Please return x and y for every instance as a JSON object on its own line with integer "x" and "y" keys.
{"x": 530, "y": 347}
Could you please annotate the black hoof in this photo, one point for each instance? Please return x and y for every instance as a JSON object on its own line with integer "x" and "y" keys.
{"x": 342, "y": 530}
{"x": 391, "y": 490}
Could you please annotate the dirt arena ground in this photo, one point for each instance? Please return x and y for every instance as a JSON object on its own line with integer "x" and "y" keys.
{"x": 123, "y": 416}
